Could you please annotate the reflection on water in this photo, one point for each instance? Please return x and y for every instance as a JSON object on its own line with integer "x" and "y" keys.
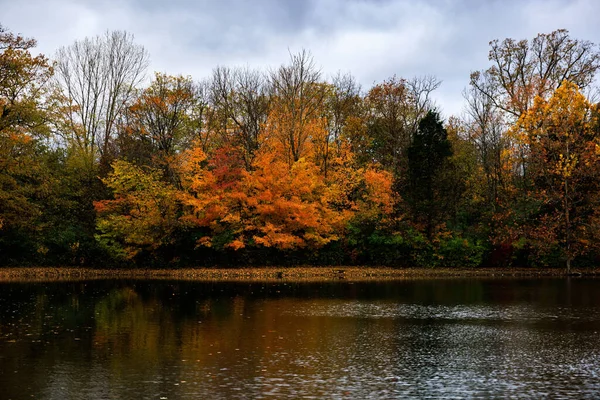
{"x": 440, "y": 338}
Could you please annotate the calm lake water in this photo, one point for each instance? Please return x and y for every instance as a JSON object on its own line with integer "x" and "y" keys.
{"x": 180, "y": 340}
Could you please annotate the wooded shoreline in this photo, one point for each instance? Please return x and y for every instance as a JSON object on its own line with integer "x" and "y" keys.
{"x": 288, "y": 166}
{"x": 278, "y": 274}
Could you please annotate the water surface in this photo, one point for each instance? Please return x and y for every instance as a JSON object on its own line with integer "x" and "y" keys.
{"x": 422, "y": 338}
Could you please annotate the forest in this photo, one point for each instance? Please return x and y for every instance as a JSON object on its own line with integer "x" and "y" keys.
{"x": 102, "y": 164}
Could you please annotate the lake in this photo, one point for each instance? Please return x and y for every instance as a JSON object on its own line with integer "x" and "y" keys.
{"x": 477, "y": 337}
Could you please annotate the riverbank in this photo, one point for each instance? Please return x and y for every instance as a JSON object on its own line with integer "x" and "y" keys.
{"x": 48, "y": 274}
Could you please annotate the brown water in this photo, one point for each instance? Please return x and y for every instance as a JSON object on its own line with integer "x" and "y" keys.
{"x": 173, "y": 340}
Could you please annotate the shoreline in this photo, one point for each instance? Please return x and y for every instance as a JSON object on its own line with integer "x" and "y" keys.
{"x": 277, "y": 274}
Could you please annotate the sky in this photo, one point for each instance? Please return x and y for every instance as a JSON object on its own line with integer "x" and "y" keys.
{"x": 372, "y": 39}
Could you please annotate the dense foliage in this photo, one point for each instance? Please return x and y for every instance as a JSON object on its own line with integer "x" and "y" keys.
{"x": 288, "y": 167}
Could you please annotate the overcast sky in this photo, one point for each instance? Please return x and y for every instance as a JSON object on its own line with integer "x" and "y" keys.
{"x": 372, "y": 39}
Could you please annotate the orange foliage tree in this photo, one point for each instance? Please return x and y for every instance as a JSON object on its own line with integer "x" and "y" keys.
{"x": 213, "y": 196}
{"x": 165, "y": 115}
{"x": 274, "y": 205}
{"x": 24, "y": 180}
{"x": 288, "y": 205}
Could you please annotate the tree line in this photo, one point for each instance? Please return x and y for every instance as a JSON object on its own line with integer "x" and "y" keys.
{"x": 101, "y": 166}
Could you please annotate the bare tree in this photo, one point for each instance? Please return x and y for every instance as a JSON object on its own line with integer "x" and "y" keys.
{"x": 420, "y": 88}
{"x": 200, "y": 115}
{"x": 522, "y": 70}
{"x": 486, "y": 128}
{"x": 298, "y": 96}
{"x": 240, "y": 96}
{"x": 342, "y": 102}
{"x": 97, "y": 76}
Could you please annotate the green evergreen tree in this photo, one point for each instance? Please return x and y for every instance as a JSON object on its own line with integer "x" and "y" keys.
{"x": 427, "y": 158}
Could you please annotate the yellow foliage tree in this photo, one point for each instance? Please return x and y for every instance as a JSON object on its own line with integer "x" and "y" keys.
{"x": 562, "y": 136}
{"x": 142, "y": 215}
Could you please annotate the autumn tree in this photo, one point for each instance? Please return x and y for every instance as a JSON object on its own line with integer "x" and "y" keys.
{"x": 366, "y": 196}
{"x": 395, "y": 108}
{"x": 213, "y": 197}
{"x": 523, "y": 70}
{"x": 142, "y": 215}
{"x": 275, "y": 205}
{"x": 165, "y": 115}
{"x": 288, "y": 207}
{"x": 23, "y": 86}
{"x": 388, "y": 103}
{"x": 562, "y": 135}
{"x": 24, "y": 179}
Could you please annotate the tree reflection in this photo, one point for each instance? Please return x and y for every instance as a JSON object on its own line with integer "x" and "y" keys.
{"x": 138, "y": 339}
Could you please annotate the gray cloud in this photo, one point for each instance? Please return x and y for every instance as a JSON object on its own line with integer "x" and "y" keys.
{"x": 371, "y": 39}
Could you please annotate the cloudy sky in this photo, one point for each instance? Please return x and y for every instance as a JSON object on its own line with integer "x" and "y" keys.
{"x": 372, "y": 39}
